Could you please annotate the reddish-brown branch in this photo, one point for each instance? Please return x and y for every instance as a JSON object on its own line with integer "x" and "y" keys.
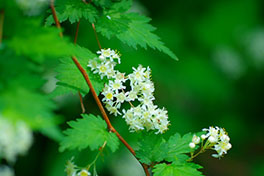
{"x": 98, "y": 102}
{"x": 76, "y": 33}
{"x": 75, "y": 41}
{"x": 55, "y": 16}
{"x": 2, "y": 16}
{"x": 95, "y": 33}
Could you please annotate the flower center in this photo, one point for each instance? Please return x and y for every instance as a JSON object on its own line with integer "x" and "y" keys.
{"x": 109, "y": 96}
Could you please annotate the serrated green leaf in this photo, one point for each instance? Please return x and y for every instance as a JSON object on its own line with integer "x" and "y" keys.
{"x": 73, "y": 10}
{"x": 71, "y": 79}
{"x": 46, "y": 42}
{"x": 103, "y": 3}
{"x": 131, "y": 29}
{"x": 122, "y": 6}
{"x": 29, "y": 106}
{"x": 178, "y": 146}
{"x": 90, "y": 131}
{"x": 176, "y": 170}
{"x": 21, "y": 99}
{"x": 152, "y": 148}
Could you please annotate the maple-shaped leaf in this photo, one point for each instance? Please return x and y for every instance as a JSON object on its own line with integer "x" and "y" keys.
{"x": 73, "y": 10}
{"x": 186, "y": 169}
{"x": 152, "y": 148}
{"x": 178, "y": 146}
{"x": 70, "y": 78}
{"x": 132, "y": 29}
{"x": 38, "y": 42}
{"x": 90, "y": 131}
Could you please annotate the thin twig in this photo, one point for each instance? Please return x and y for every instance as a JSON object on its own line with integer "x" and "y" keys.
{"x": 76, "y": 33}
{"x": 98, "y": 102}
{"x": 81, "y": 101}
{"x": 97, "y": 156}
{"x": 95, "y": 33}
{"x": 75, "y": 41}
{"x": 2, "y": 16}
{"x": 55, "y": 17}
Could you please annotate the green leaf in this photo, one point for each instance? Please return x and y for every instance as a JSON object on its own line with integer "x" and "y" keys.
{"x": 131, "y": 29}
{"x": 103, "y": 3}
{"x": 187, "y": 169}
{"x": 39, "y": 42}
{"x": 90, "y": 131}
{"x": 34, "y": 108}
{"x": 21, "y": 98}
{"x": 178, "y": 146}
{"x": 122, "y": 6}
{"x": 152, "y": 148}
{"x": 70, "y": 78}
{"x": 73, "y": 10}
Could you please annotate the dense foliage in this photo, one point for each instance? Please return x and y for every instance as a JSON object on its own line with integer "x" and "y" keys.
{"x": 36, "y": 53}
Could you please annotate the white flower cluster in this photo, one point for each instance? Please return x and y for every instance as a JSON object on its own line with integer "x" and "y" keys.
{"x": 217, "y": 139}
{"x": 104, "y": 66}
{"x": 136, "y": 88}
{"x": 15, "y": 139}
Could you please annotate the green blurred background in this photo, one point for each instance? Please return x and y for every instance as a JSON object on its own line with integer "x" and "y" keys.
{"x": 219, "y": 80}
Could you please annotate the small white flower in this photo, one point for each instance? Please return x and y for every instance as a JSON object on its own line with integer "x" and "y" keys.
{"x": 212, "y": 132}
{"x": 84, "y": 172}
{"x": 106, "y": 53}
{"x": 116, "y": 85}
{"x": 221, "y": 148}
{"x": 162, "y": 128}
{"x": 203, "y": 136}
{"x": 212, "y": 139}
{"x": 192, "y": 145}
{"x": 131, "y": 96}
{"x": 71, "y": 168}
{"x": 137, "y": 111}
{"x": 117, "y": 57}
{"x": 93, "y": 64}
{"x": 147, "y": 88}
{"x": 128, "y": 114}
{"x": 120, "y": 77}
{"x": 108, "y": 96}
{"x": 138, "y": 74}
{"x": 120, "y": 97}
{"x": 196, "y": 139}
{"x": 225, "y": 138}
{"x": 135, "y": 124}
{"x": 146, "y": 101}
{"x": 223, "y": 135}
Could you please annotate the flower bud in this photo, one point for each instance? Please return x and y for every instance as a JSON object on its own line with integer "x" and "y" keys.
{"x": 196, "y": 139}
{"x": 192, "y": 145}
